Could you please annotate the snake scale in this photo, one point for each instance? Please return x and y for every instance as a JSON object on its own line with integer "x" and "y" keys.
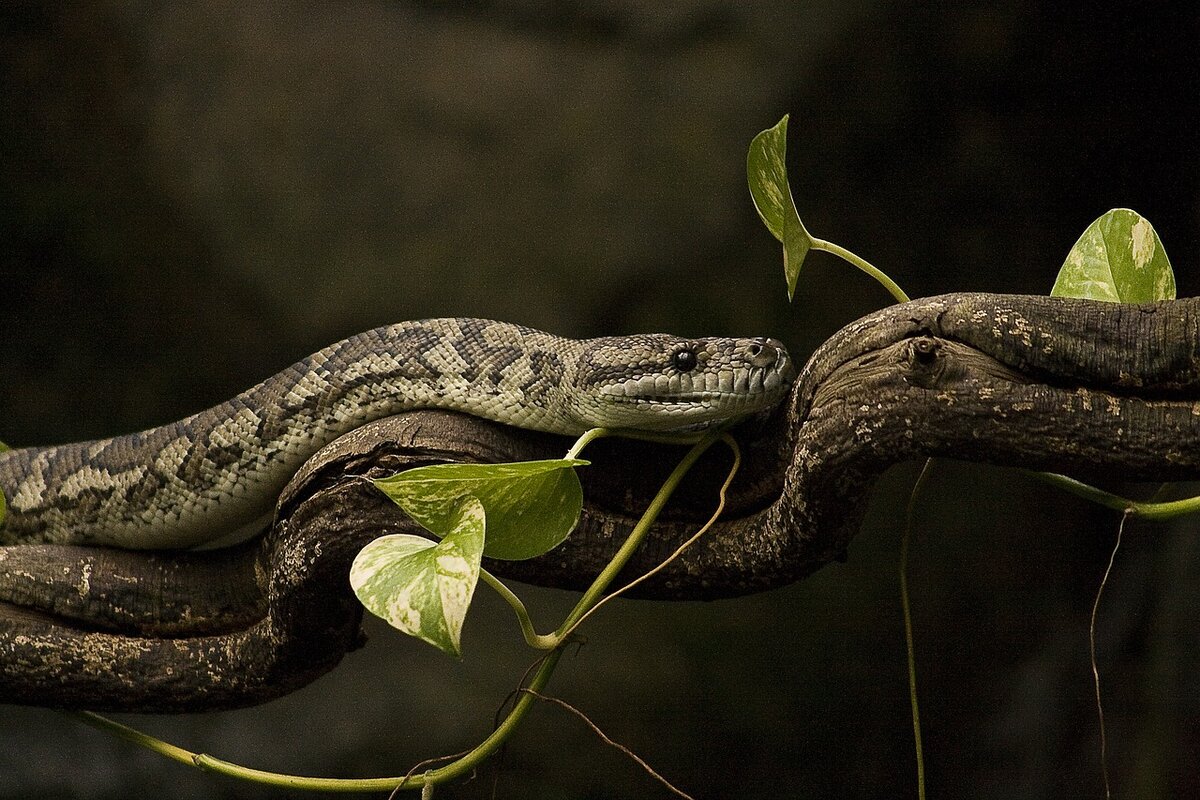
{"x": 220, "y": 470}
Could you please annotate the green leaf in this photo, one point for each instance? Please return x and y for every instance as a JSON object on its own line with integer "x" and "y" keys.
{"x": 1119, "y": 258}
{"x": 4, "y": 448}
{"x": 766, "y": 173}
{"x": 531, "y": 505}
{"x": 421, "y": 587}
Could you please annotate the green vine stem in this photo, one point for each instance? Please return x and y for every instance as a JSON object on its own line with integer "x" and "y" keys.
{"x": 587, "y": 438}
{"x": 592, "y": 596}
{"x": 721, "y": 500}
{"x": 591, "y": 599}
{"x": 137, "y": 737}
{"x": 469, "y": 762}
{"x": 593, "y": 434}
{"x": 1144, "y": 509}
{"x": 452, "y": 771}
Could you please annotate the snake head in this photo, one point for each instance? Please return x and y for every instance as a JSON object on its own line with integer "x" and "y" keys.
{"x": 657, "y": 382}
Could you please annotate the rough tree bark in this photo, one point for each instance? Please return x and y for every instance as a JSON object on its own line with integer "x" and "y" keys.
{"x": 1070, "y": 386}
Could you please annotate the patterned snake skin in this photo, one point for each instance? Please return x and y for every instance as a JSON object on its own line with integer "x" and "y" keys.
{"x": 195, "y": 480}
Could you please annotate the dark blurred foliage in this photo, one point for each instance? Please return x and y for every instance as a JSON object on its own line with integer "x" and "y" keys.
{"x": 193, "y": 195}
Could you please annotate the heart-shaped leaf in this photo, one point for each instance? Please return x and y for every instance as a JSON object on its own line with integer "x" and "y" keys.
{"x": 766, "y": 172}
{"x": 421, "y": 587}
{"x": 1119, "y": 258}
{"x": 531, "y": 505}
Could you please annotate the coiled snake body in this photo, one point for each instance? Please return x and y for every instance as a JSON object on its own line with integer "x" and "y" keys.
{"x": 190, "y": 481}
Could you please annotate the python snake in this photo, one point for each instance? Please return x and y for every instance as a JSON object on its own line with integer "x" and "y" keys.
{"x": 194, "y": 480}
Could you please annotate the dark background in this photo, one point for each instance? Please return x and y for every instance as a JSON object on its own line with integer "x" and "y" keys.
{"x": 194, "y": 195}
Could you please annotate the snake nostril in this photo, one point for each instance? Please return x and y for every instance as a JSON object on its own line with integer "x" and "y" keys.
{"x": 762, "y": 354}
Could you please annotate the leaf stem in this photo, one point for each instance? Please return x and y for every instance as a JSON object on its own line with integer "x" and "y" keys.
{"x": 866, "y": 266}
{"x": 532, "y": 637}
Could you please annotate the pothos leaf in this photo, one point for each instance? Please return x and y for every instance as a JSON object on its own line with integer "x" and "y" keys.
{"x": 766, "y": 172}
{"x": 531, "y": 505}
{"x": 421, "y": 587}
{"x": 1119, "y": 258}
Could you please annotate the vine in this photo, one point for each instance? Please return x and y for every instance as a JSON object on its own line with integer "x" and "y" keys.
{"x": 424, "y": 585}
{"x": 456, "y": 502}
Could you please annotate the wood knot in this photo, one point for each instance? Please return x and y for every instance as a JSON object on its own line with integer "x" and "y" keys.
{"x": 925, "y": 361}
{"x": 925, "y": 350}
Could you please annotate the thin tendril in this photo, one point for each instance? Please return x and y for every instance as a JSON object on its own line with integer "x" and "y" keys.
{"x": 906, "y": 609}
{"x": 737, "y": 461}
{"x": 1129, "y": 512}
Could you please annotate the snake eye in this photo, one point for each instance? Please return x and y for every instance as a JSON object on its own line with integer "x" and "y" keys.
{"x": 754, "y": 349}
{"x": 684, "y": 359}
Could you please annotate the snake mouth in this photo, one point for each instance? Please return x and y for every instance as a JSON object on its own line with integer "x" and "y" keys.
{"x": 750, "y": 388}
{"x": 690, "y": 399}
{"x": 688, "y": 410}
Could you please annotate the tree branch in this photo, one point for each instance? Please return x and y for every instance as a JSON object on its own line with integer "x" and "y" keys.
{"x": 1063, "y": 385}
